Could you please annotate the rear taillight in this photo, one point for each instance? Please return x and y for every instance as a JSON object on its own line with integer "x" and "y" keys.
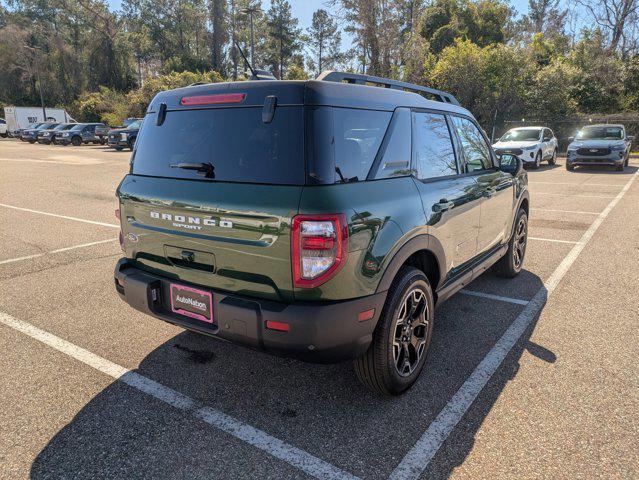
{"x": 319, "y": 245}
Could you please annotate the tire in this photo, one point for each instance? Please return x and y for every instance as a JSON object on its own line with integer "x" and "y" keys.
{"x": 76, "y": 141}
{"x": 511, "y": 264}
{"x": 119, "y": 148}
{"x": 627, "y": 160}
{"x": 553, "y": 159}
{"x": 377, "y": 369}
{"x": 537, "y": 163}
{"x": 32, "y": 142}
{"x": 569, "y": 167}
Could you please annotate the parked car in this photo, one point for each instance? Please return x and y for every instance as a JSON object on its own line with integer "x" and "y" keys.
{"x": 48, "y": 135}
{"x": 532, "y": 144}
{"x": 321, "y": 219}
{"x": 31, "y": 135}
{"x": 102, "y": 133}
{"x": 18, "y": 133}
{"x": 79, "y": 134}
{"x": 125, "y": 137}
{"x": 599, "y": 145}
{"x": 128, "y": 121}
{"x": 3, "y": 128}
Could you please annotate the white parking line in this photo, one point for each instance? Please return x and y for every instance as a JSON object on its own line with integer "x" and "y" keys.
{"x": 111, "y": 225}
{"x": 474, "y": 293}
{"x": 573, "y": 195}
{"x": 579, "y": 184}
{"x": 552, "y": 240}
{"x": 59, "y": 250}
{"x": 246, "y": 433}
{"x": 420, "y": 455}
{"x": 563, "y": 211}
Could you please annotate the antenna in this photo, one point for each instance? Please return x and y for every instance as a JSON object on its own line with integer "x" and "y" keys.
{"x": 245, "y": 60}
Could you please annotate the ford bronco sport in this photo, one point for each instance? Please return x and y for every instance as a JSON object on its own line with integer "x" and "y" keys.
{"x": 322, "y": 219}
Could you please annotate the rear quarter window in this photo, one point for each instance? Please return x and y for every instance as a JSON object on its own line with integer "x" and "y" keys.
{"x": 235, "y": 141}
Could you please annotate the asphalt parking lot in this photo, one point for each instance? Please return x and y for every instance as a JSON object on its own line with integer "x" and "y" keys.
{"x": 535, "y": 377}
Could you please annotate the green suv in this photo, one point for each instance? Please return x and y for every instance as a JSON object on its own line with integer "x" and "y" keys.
{"x": 322, "y": 220}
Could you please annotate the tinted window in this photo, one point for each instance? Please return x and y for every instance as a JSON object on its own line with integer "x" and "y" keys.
{"x": 547, "y": 135}
{"x": 79, "y": 126}
{"x": 357, "y": 135}
{"x": 234, "y": 140}
{"x": 396, "y": 159}
{"x": 434, "y": 153}
{"x": 475, "y": 148}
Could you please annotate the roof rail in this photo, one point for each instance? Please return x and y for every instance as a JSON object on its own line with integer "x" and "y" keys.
{"x": 360, "y": 79}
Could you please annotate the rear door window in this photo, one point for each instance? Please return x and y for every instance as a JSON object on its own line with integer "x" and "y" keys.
{"x": 434, "y": 152}
{"x": 358, "y": 135}
{"x": 235, "y": 141}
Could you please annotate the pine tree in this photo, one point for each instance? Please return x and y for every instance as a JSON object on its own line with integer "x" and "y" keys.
{"x": 284, "y": 37}
{"x": 324, "y": 41}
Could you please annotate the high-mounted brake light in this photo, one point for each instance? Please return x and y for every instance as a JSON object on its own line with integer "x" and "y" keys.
{"x": 319, "y": 247}
{"x": 213, "y": 99}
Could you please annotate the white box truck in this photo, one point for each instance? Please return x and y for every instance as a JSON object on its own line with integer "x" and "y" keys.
{"x": 18, "y": 118}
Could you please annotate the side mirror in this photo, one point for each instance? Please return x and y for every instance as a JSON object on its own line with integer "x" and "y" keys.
{"x": 571, "y": 139}
{"x": 510, "y": 164}
{"x": 630, "y": 138}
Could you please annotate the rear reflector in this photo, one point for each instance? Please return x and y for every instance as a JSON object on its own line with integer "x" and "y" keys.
{"x": 366, "y": 315}
{"x": 213, "y": 99}
{"x": 279, "y": 326}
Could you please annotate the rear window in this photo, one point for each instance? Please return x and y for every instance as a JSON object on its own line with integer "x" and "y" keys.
{"x": 239, "y": 145}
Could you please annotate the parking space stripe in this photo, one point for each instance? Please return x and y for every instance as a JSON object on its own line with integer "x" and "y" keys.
{"x": 66, "y": 217}
{"x": 59, "y": 250}
{"x": 574, "y": 195}
{"x": 490, "y": 296}
{"x": 552, "y": 240}
{"x": 241, "y": 431}
{"x": 421, "y": 454}
{"x": 579, "y": 184}
{"x": 563, "y": 211}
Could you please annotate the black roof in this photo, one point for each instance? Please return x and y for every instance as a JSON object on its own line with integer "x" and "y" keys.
{"x": 308, "y": 92}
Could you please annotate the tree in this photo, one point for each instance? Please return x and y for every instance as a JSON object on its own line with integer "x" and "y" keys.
{"x": 482, "y": 22}
{"x": 613, "y": 17}
{"x": 375, "y": 25}
{"x": 544, "y": 16}
{"x": 283, "y": 40}
{"x": 218, "y": 18}
{"x": 324, "y": 41}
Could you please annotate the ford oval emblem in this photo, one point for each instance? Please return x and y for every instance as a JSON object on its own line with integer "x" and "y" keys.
{"x": 132, "y": 237}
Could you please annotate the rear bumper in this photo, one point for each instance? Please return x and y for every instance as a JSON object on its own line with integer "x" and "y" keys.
{"x": 117, "y": 143}
{"x": 326, "y": 332}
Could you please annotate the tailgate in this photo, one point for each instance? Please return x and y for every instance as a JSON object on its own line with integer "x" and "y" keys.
{"x": 229, "y": 236}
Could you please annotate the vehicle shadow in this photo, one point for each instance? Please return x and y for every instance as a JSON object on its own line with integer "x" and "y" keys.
{"x": 123, "y": 433}
{"x": 544, "y": 167}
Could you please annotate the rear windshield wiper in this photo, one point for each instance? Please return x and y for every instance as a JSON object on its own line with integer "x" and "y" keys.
{"x": 345, "y": 180}
{"x": 207, "y": 170}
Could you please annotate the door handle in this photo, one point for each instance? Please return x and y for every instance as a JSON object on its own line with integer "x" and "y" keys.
{"x": 443, "y": 205}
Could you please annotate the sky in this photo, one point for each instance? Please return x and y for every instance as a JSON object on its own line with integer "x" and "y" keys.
{"x": 303, "y": 9}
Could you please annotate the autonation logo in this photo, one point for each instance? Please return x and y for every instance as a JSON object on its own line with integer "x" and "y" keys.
{"x": 191, "y": 301}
